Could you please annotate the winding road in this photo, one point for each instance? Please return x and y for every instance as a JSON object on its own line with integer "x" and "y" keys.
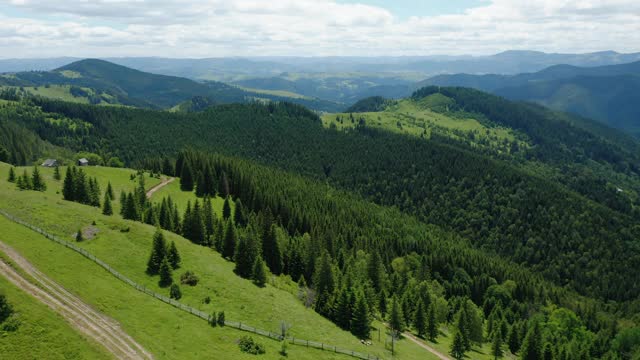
{"x": 164, "y": 183}
{"x": 93, "y": 324}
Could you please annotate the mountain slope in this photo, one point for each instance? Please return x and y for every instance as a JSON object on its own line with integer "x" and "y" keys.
{"x": 606, "y": 93}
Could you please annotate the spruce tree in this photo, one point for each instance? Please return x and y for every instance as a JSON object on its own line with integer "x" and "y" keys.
{"x": 24, "y": 181}
{"x": 79, "y": 237}
{"x": 513, "y": 339}
{"x": 68, "y": 186}
{"x": 56, "y": 173}
{"x": 374, "y": 270}
{"x": 80, "y": 186}
{"x": 463, "y": 328}
{"x": 197, "y": 225}
{"x": 458, "y": 347}
{"x": 259, "y": 276}
{"x": 37, "y": 182}
{"x": 432, "y": 323}
{"x": 186, "y": 178}
{"x": 174, "y": 292}
{"x": 208, "y": 218}
{"x": 123, "y": 202}
{"x": 167, "y": 168}
{"x": 496, "y": 346}
{"x": 547, "y": 352}
{"x": 324, "y": 279}
{"x": 173, "y": 256}
{"x": 223, "y": 185}
{"x": 131, "y": 209}
{"x": 238, "y": 214}
{"x": 165, "y": 273}
{"x": 382, "y": 303}
{"x": 245, "y": 256}
{"x": 12, "y": 175}
{"x": 271, "y": 250}
{"x": 396, "y": 318}
{"x": 420, "y": 320}
{"x": 226, "y": 209}
{"x": 230, "y": 240}
{"x": 343, "y": 310}
{"x": 532, "y": 345}
{"x": 107, "y": 209}
{"x": 361, "y": 322}
{"x": 200, "y": 185}
{"x": 158, "y": 253}
{"x": 109, "y": 191}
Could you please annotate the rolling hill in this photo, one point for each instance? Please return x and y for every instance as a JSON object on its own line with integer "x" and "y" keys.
{"x": 605, "y": 93}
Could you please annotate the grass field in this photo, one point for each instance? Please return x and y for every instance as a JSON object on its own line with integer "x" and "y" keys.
{"x": 126, "y": 245}
{"x": 180, "y": 198}
{"x": 281, "y": 93}
{"x": 46, "y": 333}
{"x": 418, "y": 118}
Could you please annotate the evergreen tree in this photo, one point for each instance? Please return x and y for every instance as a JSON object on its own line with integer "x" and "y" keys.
{"x": 5, "y": 308}
{"x": 167, "y": 168}
{"x": 343, "y": 310}
{"x": 56, "y": 173}
{"x": 123, "y": 202}
{"x": 324, "y": 279}
{"x": 109, "y": 191}
{"x": 68, "y": 186}
{"x": 79, "y": 237}
{"x": 432, "y": 324}
{"x": 463, "y": 328}
{"x": 37, "y": 182}
{"x": 186, "y": 178}
{"x": 496, "y": 346}
{"x": 245, "y": 256}
{"x": 173, "y": 256}
{"x": 107, "y": 208}
{"x": 198, "y": 232}
{"x": 532, "y": 344}
{"x": 218, "y": 238}
{"x": 141, "y": 193}
{"x": 131, "y": 209}
{"x": 174, "y": 292}
{"x": 24, "y": 182}
{"x": 80, "y": 187}
{"x": 12, "y": 175}
{"x": 158, "y": 253}
{"x": 513, "y": 339}
{"x": 226, "y": 209}
{"x": 396, "y": 318}
{"x": 221, "y": 318}
{"x": 420, "y": 320}
{"x": 259, "y": 275}
{"x": 208, "y": 218}
{"x": 458, "y": 348}
{"x": 200, "y": 185}
{"x": 165, "y": 273}
{"x": 230, "y": 240}
{"x": 238, "y": 214}
{"x": 374, "y": 270}
{"x": 271, "y": 250}
{"x": 94, "y": 192}
{"x": 547, "y": 352}
{"x": 361, "y": 322}
{"x": 223, "y": 185}
{"x": 382, "y": 303}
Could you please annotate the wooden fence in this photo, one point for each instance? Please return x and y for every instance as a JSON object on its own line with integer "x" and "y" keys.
{"x": 189, "y": 309}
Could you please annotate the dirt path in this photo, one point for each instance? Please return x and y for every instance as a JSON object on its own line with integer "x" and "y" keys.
{"x": 426, "y": 347}
{"x": 164, "y": 182}
{"x": 81, "y": 316}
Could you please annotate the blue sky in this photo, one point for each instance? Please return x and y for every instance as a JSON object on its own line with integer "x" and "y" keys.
{"x": 407, "y": 8}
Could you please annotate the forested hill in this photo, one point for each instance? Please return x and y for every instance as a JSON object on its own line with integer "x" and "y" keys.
{"x": 605, "y": 93}
{"x": 499, "y": 203}
{"x": 105, "y": 82}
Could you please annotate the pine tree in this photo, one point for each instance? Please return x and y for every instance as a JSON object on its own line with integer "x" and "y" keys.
{"x": 197, "y": 225}
{"x": 238, "y": 214}
{"x": 223, "y": 185}
{"x": 173, "y": 256}
{"x": 382, "y": 303}
{"x": 324, "y": 279}
{"x": 420, "y": 320}
{"x": 165, "y": 273}
{"x": 123, "y": 202}
{"x": 186, "y": 178}
{"x": 79, "y": 237}
{"x": 259, "y": 275}
{"x": 343, "y": 310}
{"x": 361, "y": 322}
{"x": 109, "y": 191}
{"x": 141, "y": 193}
{"x": 37, "y": 182}
{"x": 496, "y": 346}
{"x": 94, "y": 192}
{"x": 24, "y": 182}
{"x": 374, "y": 270}
{"x": 80, "y": 186}
{"x": 131, "y": 209}
{"x": 432, "y": 324}
{"x": 167, "y": 168}
{"x": 458, "y": 347}
{"x": 396, "y": 318}
{"x": 200, "y": 185}
{"x": 463, "y": 328}
{"x": 107, "y": 209}
{"x": 226, "y": 209}
{"x": 218, "y": 238}
{"x": 56, "y": 173}
{"x": 532, "y": 345}
{"x": 68, "y": 186}
{"x": 208, "y": 218}
{"x": 12, "y": 175}
{"x": 158, "y": 253}
{"x": 230, "y": 240}
{"x": 271, "y": 249}
{"x": 174, "y": 292}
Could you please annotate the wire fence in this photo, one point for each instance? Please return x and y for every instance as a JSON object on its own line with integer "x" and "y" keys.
{"x": 186, "y": 308}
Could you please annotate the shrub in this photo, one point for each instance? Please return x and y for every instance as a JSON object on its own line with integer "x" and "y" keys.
{"x": 189, "y": 278}
{"x": 248, "y": 345}
{"x": 174, "y": 292}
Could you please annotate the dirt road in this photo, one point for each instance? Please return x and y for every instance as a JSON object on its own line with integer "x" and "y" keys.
{"x": 426, "y": 347}
{"x": 80, "y": 315}
{"x": 164, "y": 182}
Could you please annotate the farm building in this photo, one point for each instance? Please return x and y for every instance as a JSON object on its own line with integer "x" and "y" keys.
{"x": 83, "y": 162}
{"x": 50, "y": 163}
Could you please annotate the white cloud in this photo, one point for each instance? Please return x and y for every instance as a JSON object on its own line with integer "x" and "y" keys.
{"x": 207, "y": 28}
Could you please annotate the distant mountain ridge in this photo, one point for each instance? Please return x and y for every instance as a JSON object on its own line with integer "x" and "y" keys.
{"x": 609, "y": 93}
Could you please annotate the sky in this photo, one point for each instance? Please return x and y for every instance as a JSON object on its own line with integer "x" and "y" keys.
{"x": 219, "y": 28}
